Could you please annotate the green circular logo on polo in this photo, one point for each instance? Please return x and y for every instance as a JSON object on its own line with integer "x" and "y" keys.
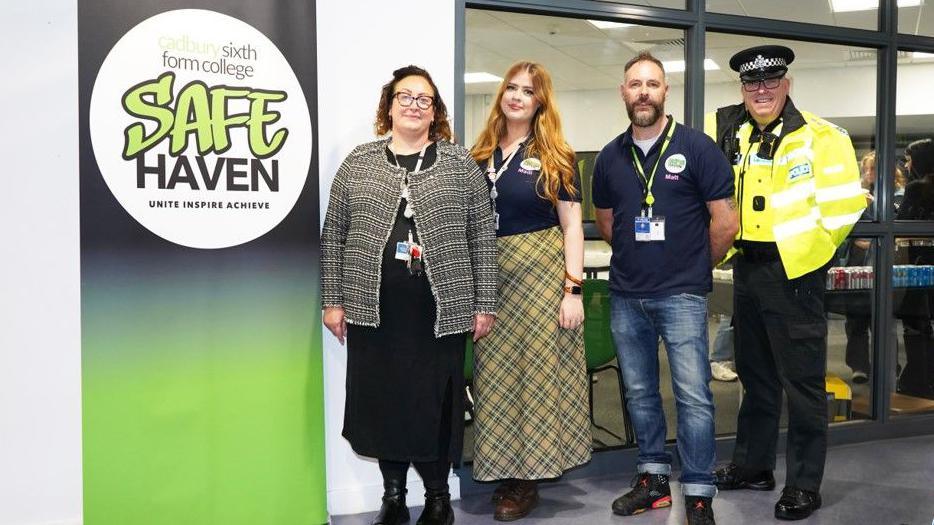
{"x": 200, "y": 129}
{"x": 676, "y": 163}
{"x": 531, "y": 164}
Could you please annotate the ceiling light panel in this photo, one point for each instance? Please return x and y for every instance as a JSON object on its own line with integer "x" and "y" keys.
{"x": 603, "y": 24}
{"x": 677, "y": 66}
{"x": 844, "y": 6}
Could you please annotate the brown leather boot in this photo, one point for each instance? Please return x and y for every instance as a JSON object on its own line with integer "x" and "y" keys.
{"x": 504, "y": 487}
{"x": 518, "y": 502}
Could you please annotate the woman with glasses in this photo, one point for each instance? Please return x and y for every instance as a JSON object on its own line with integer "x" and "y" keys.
{"x": 530, "y": 378}
{"x": 408, "y": 267}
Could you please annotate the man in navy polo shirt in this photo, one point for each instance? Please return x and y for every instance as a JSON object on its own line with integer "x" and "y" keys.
{"x": 664, "y": 199}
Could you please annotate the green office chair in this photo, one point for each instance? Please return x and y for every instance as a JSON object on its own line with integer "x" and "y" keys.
{"x": 600, "y": 350}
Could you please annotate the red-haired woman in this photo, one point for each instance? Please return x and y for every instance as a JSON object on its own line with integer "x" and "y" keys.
{"x": 531, "y": 378}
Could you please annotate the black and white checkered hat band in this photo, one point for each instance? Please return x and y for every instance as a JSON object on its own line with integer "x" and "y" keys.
{"x": 762, "y": 63}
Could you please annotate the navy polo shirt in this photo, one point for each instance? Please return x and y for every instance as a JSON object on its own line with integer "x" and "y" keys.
{"x": 520, "y": 200}
{"x": 680, "y": 263}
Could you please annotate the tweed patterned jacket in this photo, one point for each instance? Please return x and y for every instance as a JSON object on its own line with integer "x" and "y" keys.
{"x": 454, "y": 219}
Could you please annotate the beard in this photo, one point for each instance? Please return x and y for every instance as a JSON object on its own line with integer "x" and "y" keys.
{"x": 644, "y": 119}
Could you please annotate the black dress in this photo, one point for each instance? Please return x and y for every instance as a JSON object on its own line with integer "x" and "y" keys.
{"x": 404, "y": 386}
{"x": 916, "y": 307}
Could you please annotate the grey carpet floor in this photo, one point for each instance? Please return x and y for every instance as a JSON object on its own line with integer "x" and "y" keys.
{"x": 887, "y": 482}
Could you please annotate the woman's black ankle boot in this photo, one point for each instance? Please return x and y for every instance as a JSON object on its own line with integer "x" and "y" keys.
{"x": 438, "y": 509}
{"x": 393, "y": 510}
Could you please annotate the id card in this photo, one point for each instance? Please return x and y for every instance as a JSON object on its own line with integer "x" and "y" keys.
{"x": 402, "y": 251}
{"x": 657, "y": 228}
{"x": 643, "y": 229}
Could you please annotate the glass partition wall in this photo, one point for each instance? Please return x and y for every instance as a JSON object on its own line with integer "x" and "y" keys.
{"x": 862, "y": 66}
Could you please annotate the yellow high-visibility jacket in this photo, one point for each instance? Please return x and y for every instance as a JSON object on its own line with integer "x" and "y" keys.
{"x": 815, "y": 196}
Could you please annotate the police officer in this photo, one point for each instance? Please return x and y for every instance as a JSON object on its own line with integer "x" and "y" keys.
{"x": 797, "y": 188}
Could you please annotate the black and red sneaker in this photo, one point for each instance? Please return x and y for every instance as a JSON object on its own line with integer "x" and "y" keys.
{"x": 649, "y": 491}
{"x": 699, "y": 510}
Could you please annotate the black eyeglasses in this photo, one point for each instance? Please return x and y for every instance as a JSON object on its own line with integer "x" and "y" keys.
{"x": 755, "y": 85}
{"x": 405, "y": 100}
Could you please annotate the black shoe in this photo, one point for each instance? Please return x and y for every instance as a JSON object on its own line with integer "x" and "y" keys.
{"x": 393, "y": 510}
{"x": 650, "y": 491}
{"x": 796, "y": 504}
{"x": 438, "y": 509}
{"x": 731, "y": 477}
{"x": 699, "y": 510}
{"x": 914, "y": 390}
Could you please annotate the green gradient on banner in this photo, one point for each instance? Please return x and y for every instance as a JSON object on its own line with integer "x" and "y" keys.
{"x": 202, "y": 399}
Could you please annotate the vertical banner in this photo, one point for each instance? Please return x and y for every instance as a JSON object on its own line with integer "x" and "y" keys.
{"x": 201, "y": 340}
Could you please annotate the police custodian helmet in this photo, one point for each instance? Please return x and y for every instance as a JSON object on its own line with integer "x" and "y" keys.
{"x": 762, "y": 62}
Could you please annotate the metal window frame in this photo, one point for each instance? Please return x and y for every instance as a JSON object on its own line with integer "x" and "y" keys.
{"x": 696, "y": 22}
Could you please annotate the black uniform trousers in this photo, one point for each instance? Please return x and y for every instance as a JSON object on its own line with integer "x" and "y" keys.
{"x": 780, "y": 333}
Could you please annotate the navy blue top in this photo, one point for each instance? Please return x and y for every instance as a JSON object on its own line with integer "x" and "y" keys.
{"x": 680, "y": 263}
{"x": 520, "y": 201}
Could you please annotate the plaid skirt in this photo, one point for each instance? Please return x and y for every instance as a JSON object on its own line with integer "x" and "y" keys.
{"x": 530, "y": 380}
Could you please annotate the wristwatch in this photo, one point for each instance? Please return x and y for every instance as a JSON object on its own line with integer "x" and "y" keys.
{"x": 573, "y": 290}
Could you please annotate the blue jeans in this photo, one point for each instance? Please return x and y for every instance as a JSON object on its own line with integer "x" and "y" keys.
{"x": 681, "y": 321}
{"x": 723, "y": 341}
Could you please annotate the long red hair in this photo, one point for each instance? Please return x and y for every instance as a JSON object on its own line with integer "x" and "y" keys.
{"x": 546, "y": 141}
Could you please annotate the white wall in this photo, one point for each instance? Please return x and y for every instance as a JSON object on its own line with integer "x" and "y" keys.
{"x": 40, "y": 346}
{"x": 358, "y": 48}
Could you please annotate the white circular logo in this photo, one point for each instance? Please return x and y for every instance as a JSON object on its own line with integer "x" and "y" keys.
{"x": 676, "y": 163}
{"x": 531, "y": 164}
{"x": 200, "y": 129}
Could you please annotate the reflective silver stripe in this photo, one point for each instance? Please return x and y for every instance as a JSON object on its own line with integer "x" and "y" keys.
{"x": 836, "y": 168}
{"x": 796, "y": 193}
{"x": 839, "y": 221}
{"x": 804, "y": 151}
{"x": 838, "y": 192}
{"x": 796, "y": 226}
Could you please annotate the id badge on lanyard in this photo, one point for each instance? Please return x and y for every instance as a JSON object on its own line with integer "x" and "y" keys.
{"x": 493, "y": 175}
{"x": 409, "y": 251}
{"x": 649, "y": 228}
{"x": 643, "y": 229}
{"x": 412, "y": 254}
{"x": 656, "y": 228}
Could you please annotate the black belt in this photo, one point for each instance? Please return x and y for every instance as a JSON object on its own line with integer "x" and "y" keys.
{"x": 758, "y": 252}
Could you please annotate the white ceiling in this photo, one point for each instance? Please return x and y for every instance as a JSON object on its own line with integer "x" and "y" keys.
{"x": 581, "y": 56}
{"x": 917, "y": 20}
